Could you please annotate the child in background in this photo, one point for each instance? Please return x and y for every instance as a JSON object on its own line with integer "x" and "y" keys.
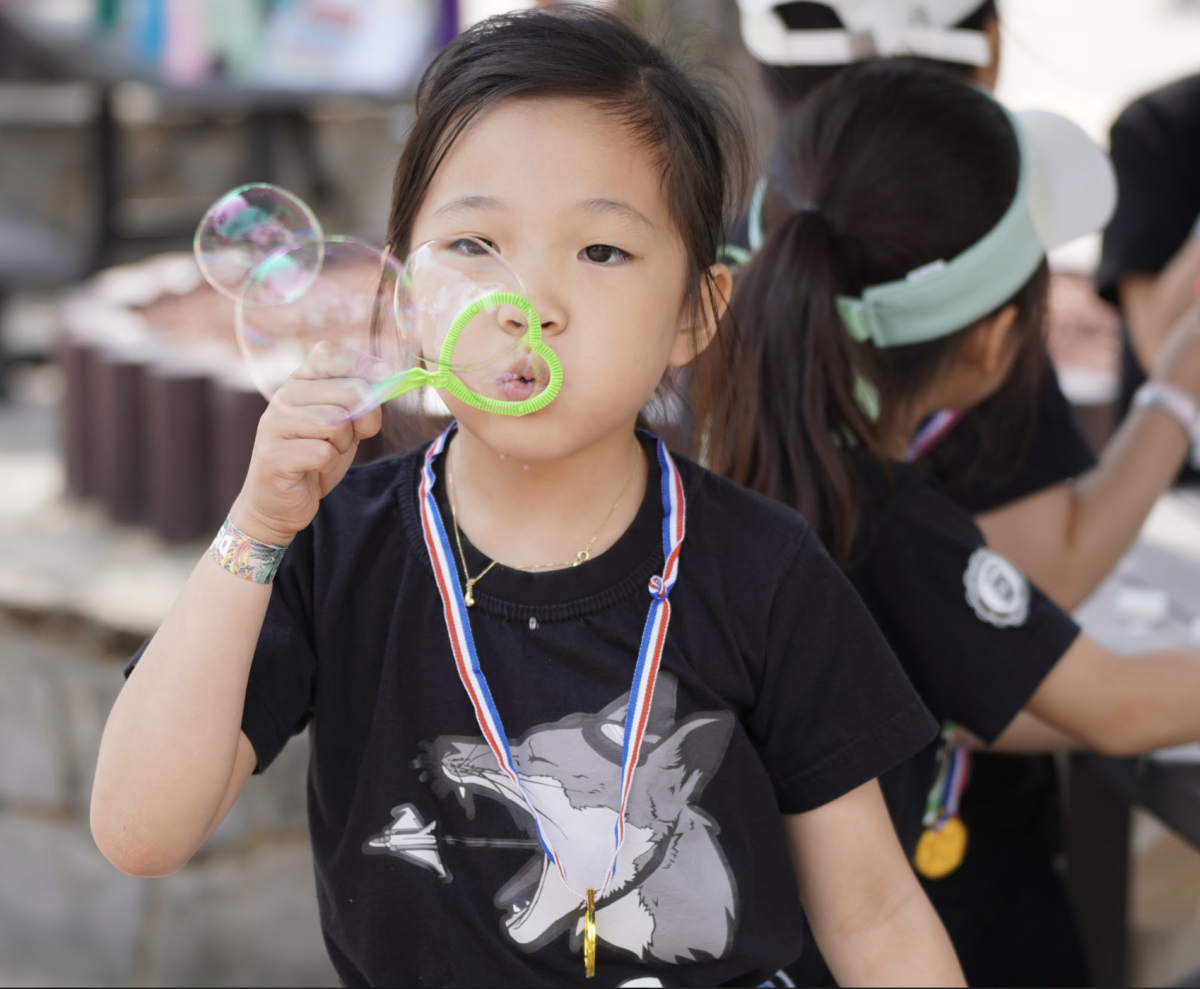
{"x": 904, "y": 274}
{"x": 464, "y": 823}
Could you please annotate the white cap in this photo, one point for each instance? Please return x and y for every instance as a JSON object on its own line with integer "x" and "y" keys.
{"x": 1072, "y": 187}
{"x": 873, "y": 28}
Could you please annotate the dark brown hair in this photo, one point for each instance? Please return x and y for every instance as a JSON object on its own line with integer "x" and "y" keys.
{"x": 886, "y": 168}
{"x": 580, "y": 52}
{"x": 789, "y": 84}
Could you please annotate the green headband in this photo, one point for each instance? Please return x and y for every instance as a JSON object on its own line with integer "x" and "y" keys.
{"x": 941, "y": 298}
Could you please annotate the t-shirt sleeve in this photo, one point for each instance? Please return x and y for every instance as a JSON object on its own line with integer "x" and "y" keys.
{"x": 1036, "y": 454}
{"x": 976, "y": 637}
{"x": 1158, "y": 194}
{"x": 835, "y": 709}
{"x": 279, "y": 694}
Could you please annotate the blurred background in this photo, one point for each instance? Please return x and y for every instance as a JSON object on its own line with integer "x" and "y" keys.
{"x": 126, "y": 422}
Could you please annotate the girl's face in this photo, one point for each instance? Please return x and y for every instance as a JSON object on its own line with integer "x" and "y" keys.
{"x": 572, "y": 200}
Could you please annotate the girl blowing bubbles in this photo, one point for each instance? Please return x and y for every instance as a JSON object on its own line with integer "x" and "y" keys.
{"x": 460, "y": 826}
{"x": 904, "y": 274}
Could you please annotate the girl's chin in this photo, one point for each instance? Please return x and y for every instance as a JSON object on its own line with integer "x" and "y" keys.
{"x": 542, "y": 437}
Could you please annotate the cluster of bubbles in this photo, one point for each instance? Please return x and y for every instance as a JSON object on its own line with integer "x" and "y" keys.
{"x": 453, "y": 315}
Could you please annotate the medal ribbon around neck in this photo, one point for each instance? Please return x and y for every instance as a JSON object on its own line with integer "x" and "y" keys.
{"x": 932, "y": 433}
{"x": 641, "y": 692}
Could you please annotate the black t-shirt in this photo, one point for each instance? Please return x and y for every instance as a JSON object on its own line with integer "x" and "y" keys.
{"x": 1155, "y": 146}
{"x": 777, "y": 694}
{"x": 973, "y": 634}
{"x": 1042, "y": 446}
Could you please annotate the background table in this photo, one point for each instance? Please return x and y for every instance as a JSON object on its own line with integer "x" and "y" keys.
{"x": 1167, "y": 784}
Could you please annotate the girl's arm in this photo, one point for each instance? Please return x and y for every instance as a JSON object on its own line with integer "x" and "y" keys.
{"x": 1122, "y": 705}
{"x": 173, "y": 757}
{"x": 1026, "y": 734}
{"x": 1069, "y": 537}
{"x": 1151, "y": 304}
{"x": 870, "y": 917}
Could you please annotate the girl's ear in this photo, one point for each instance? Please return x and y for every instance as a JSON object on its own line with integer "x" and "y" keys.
{"x": 694, "y": 337}
{"x": 990, "y": 345}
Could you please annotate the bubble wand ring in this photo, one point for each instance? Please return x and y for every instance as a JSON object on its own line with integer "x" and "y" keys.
{"x": 445, "y": 378}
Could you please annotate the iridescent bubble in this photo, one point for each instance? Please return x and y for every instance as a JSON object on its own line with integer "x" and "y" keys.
{"x": 460, "y": 307}
{"x": 264, "y": 229}
{"x": 347, "y": 302}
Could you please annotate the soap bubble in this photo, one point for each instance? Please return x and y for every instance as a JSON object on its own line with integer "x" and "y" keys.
{"x": 348, "y": 302}
{"x": 264, "y": 229}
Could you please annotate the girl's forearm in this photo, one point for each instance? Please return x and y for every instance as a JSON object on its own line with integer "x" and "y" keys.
{"x": 1067, "y": 539}
{"x": 905, "y": 945}
{"x": 170, "y": 746}
{"x": 1152, "y": 303}
{"x": 1122, "y": 704}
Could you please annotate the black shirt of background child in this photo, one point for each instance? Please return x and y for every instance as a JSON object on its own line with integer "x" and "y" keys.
{"x": 1155, "y": 147}
{"x": 777, "y": 694}
{"x": 971, "y": 632}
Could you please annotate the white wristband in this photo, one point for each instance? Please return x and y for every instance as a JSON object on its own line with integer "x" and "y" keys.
{"x": 1176, "y": 403}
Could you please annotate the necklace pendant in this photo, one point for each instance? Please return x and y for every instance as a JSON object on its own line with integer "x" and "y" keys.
{"x": 469, "y": 597}
{"x": 589, "y": 935}
{"x": 581, "y": 557}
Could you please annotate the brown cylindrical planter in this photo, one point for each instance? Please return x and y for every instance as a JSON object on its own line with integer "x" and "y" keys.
{"x": 117, "y": 411}
{"x": 178, "y": 447}
{"x": 237, "y": 406}
{"x": 77, "y": 360}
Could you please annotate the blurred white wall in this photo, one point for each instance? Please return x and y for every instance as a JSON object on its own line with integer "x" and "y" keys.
{"x": 1089, "y": 58}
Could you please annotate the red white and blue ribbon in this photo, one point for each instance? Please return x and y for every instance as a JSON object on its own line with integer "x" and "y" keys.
{"x": 641, "y": 693}
{"x": 954, "y": 770}
{"x": 932, "y": 432}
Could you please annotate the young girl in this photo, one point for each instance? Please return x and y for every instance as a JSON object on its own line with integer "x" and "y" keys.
{"x": 903, "y": 275}
{"x": 476, "y": 704}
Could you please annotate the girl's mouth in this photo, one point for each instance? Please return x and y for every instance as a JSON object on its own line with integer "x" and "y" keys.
{"x": 523, "y": 379}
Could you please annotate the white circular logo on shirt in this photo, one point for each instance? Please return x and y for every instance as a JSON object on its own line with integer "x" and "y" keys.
{"x": 996, "y": 590}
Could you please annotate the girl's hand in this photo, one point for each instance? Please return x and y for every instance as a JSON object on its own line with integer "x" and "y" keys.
{"x": 306, "y": 443}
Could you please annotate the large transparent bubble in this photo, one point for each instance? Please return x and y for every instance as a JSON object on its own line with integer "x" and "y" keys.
{"x": 347, "y": 302}
{"x": 263, "y": 229}
{"x": 466, "y": 326}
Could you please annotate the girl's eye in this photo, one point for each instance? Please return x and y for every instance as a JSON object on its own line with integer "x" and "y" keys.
{"x": 472, "y": 246}
{"x": 603, "y": 254}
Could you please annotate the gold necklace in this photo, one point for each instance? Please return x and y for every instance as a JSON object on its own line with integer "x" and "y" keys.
{"x": 582, "y": 556}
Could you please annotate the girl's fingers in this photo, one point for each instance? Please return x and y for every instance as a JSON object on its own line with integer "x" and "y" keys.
{"x": 346, "y": 393}
{"x": 331, "y": 360}
{"x": 304, "y": 456}
{"x": 315, "y": 422}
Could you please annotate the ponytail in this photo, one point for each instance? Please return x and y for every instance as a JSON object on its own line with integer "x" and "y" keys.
{"x": 910, "y": 166}
{"x": 780, "y": 411}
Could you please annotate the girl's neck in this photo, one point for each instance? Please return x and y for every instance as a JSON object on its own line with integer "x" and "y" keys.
{"x": 541, "y": 514}
{"x": 902, "y": 427}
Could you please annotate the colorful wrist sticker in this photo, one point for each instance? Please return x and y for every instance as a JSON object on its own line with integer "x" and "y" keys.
{"x": 244, "y": 556}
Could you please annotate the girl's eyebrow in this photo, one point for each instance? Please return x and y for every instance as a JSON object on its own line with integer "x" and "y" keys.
{"x": 470, "y": 204}
{"x": 613, "y": 207}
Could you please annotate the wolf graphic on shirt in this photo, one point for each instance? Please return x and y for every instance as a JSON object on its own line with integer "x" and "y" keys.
{"x": 673, "y": 897}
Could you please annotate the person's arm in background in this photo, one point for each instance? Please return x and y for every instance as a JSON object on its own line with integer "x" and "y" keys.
{"x": 1153, "y": 304}
{"x": 1067, "y": 538}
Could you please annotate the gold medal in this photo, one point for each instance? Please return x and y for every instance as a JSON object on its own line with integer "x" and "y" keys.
{"x": 941, "y": 849}
{"x": 589, "y": 935}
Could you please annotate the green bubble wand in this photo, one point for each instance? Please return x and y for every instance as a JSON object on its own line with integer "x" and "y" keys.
{"x": 444, "y": 377}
